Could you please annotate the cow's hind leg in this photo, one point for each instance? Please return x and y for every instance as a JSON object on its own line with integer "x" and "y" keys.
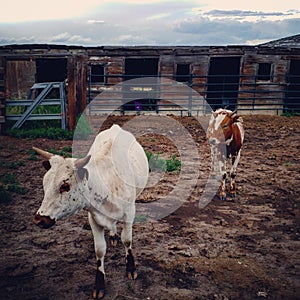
{"x": 126, "y": 237}
{"x": 100, "y": 250}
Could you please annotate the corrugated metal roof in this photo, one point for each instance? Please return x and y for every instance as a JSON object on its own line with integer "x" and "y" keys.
{"x": 287, "y": 42}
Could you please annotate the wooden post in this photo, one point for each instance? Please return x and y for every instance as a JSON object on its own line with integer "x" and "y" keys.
{"x": 77, "y": 70}
{"x": 71, "y": 107}
{"x": 2, "y": 94}
{"x": 81, "y": 83}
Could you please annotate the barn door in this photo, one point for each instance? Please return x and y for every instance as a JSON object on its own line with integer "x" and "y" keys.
{"x": 223, "y": 82}
{"x": 292, "y": 100}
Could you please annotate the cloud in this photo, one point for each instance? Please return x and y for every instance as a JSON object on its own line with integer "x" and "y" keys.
{"x": 95, "y": 22}
{"x": 67, "y": 38}
{"x": 246, "y": 13}
{"x": 21, "y": 40}
{"x": 217, "y": 32}
{"x": 164, "y": 22}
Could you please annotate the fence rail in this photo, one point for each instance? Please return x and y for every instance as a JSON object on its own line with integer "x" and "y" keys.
{"x": 245, "y": 93}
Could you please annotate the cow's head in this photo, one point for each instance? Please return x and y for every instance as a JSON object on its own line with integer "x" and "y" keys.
{"x": 220, "y": 126}
{"x": 63, "y": 194}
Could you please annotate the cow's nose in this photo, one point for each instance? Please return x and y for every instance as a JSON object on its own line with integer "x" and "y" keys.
{"x": 213, "y": 141}
{"x": 43, "y": 221}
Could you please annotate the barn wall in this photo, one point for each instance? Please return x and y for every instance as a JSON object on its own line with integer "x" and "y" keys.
{"x": 20, "y": 76}
{"x": 18, "y": 66}
{"x": 2, "y": 93}
{"x": 268, "y": 94}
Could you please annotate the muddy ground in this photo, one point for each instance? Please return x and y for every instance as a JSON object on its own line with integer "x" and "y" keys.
{"x": 243, "y": 248}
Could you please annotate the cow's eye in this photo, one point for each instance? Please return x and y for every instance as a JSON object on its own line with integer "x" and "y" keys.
{"x": 65, "y": 187}
{"x": 224, "y": 126}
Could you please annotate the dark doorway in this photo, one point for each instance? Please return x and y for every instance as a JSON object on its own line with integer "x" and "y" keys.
{"x": 183, "y": 73}
{"x": 139, "y": 67}
{"x": 223, "y": 82}
{"x": 292, "y": 101}
{"x": 141, "y": 95}
{"x": 51, "y": 69}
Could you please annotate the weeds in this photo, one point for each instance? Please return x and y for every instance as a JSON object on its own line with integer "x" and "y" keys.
{"x": 156, "y": 163}
{"x": 10, "y": 184}
{"x": 65, "y": 152}
{"x": 50, "y": 133}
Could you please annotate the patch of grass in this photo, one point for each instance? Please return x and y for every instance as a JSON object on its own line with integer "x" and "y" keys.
{"x": 14, "y": 164}
{"x": 16, "y": 188}
{"x": 173, "y": 164}
{"x": 10, "y": 184}
{"x": 52, "y": 133}
{"x": 156, "y": 163}
{"x": 9, "y": 179}
{"x": 65, "y": 152}
{"x": 290, "y": 114}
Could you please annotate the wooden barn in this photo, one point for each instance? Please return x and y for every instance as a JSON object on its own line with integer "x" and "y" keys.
{"x": 262, "y": 79}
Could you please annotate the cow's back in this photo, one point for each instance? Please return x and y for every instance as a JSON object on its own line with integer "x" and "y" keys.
{"x": 119, "y": 160}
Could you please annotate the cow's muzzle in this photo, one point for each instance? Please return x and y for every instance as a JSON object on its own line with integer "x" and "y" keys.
{"x": 43, "y": 221}
{"x": 213, "y": 141}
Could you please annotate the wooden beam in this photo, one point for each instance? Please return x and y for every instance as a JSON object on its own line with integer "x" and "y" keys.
{"x": 71, "y": 107}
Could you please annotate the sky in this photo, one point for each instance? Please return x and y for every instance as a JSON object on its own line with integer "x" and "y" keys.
{"x": 147, "y": 22}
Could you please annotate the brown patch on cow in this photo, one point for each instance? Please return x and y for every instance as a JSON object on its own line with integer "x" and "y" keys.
{"x": 236, "y": 143}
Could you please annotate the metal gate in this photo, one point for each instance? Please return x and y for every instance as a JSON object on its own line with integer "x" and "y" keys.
{"x": 48, "y": 94}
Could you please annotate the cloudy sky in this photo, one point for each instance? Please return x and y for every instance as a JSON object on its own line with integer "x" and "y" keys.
{"x": 148, "y": 22}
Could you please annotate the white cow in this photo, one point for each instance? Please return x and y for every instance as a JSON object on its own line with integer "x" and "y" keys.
{"x": 106, "y": 183}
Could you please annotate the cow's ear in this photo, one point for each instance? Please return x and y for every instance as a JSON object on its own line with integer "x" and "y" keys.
{"x": 236, "y": 118}
{"x": 82, "y": 173}
{"x": 46, "y": 165}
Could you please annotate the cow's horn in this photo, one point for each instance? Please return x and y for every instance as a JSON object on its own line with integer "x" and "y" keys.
{"x": 45, "y": 154}
{"x": 233, "y": 113}
{"x": 81, "y": 162}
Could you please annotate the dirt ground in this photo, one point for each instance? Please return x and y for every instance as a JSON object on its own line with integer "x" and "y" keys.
{"x": 243, "y": 248}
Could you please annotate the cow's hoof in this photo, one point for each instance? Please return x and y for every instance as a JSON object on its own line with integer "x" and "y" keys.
{"x": 98, "y": 294}
{"x": 113, "y": 240}
{"x": 132, "y": 275}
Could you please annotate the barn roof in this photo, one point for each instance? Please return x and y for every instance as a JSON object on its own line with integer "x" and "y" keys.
{"x": 286, "y": 42}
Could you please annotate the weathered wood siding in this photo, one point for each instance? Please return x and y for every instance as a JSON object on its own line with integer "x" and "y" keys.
{"x": 20, "y": 76}
{"x": 18, "y": 70}
{"x": 2, "y": 93}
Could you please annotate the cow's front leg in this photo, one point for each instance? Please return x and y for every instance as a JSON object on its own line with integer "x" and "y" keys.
{"x": 232, "y": 190}
{"x": 222, "y": 188}
{"x": 100, "y": 250}
{"x": 232, "y": 186}
{"x": 126, "y": 237}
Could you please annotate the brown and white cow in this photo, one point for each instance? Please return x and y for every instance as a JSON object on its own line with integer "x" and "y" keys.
{"x": 226, "y": 135}
{"x": 106, "y": 183}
